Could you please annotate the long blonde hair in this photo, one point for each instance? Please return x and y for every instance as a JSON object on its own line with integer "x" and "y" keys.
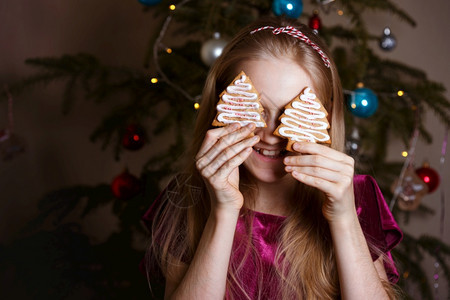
{"x": 307, "y": 265}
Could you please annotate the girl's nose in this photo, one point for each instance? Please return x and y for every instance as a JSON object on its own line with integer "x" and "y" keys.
{"x": 266, "y": 133}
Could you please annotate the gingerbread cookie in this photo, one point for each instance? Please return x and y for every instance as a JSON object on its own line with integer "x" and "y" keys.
{"x": 304, "y": 120}
{"x": 239, "y": 103}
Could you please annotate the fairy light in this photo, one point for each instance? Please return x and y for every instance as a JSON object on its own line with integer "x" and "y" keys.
{"x": 405, "y": 153}
{"x": 172, "y": 7}
{"x": 406, "y": 274}
{"x": 400, "y": 93}
{"x": 154, "y": 80}
{"x": 169, "y": 51}
{"x": 196, "y": 105}
{"x": 360, "y": 85}
{"x": 340, "y": 12}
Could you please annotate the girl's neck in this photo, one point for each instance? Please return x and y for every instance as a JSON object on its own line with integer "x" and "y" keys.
{"x": 273, "y": 198}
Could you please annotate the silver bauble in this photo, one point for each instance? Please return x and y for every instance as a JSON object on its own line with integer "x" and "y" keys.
{"x": 212, "y": 49}
{"x": 352, "y": 144}
{"x": 387, "y": 41}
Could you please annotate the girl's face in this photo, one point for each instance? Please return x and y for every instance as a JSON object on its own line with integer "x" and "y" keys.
{"x": 278, "y": 81}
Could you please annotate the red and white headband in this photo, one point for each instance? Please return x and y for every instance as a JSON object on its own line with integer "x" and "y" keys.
{"x": 299, "y": 35}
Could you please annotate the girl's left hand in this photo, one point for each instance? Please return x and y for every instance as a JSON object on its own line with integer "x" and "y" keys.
{"x": 328, "y": 170}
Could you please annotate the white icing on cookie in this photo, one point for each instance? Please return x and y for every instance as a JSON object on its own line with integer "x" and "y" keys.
{"x": 302, "y": 120}
{"x": 236, "y": 105}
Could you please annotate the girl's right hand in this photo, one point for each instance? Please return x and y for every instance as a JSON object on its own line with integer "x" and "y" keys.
{"x": 223, "y": 150}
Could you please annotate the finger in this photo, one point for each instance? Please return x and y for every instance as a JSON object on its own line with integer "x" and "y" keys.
{"x": 226, "y": 155}
{"x": 319, "y": 183}
{"x": 319, "y": 162}
{"x": 322, "y": 173}
{"x": 233, "y": 163}
{"x": 213, "y": 135}
{"x": 223, "y": 143}
{"x": 318, "y": 149}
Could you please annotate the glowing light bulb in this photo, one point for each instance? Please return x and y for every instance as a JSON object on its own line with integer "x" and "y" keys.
{"x": 290, "y": 6}
{"x": 172, "y": 7}
{"x": 154, "y": 80}
{"x": 196, "y": 105}
{"x": 136, "y": 137}
{"x": 340, "y": 12}
{"x": 353, "y": 105}
{"x": 400, "y": 93}
{"x": 364, "y": 102}
{"x": 168, "y": 50}
{"x": 404, "y": 153}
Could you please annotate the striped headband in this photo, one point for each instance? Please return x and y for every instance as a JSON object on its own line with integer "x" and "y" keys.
{"x": 299, "y": 35}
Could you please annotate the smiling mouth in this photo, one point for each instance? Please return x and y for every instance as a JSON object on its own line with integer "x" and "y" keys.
{"x": 270, "y": 153}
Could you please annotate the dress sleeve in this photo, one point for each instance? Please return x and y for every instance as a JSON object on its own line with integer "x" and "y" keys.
{"x": 377, "y": 222}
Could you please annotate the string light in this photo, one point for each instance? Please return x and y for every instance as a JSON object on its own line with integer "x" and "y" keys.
{"x": 196, "y": 105}
{"x": 168, "y": 50}
{"x": 340, "y": 12}
{"x": 157, "y": 48}
{"x": 154, "y": 80}
{"x": 405, "y": 153}
{"x": 400, "y": 93}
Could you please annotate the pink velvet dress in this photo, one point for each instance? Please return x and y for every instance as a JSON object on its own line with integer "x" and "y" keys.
{"x": 376, "y": 221}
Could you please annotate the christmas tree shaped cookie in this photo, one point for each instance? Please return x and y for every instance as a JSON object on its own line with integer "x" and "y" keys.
{"x": 239, "y": 103}
{"x": 304, "y": 120}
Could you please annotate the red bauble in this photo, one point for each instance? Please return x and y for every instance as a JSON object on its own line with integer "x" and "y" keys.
{"x": 134, "y": 137}
{"x": 429, "y": 176}
{"x": 125, "y": 186}
{"x": 314, "y": 22}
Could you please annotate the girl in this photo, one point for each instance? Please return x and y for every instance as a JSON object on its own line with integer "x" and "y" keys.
{"x": 247, "y": 220}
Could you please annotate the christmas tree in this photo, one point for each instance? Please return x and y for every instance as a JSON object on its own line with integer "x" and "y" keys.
{"x": 385, "y": 98}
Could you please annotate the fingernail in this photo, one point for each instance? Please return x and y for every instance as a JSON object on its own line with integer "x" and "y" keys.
{"x": 288, "y": 168}
{"x": 286, "y": 160}
{"x": 297, "y": 146}
{"x": 251, "y": 125}
{"x": 255, "y": 138}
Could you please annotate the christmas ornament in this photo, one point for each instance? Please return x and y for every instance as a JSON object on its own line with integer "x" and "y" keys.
{"x": 410, "y": 190}
{"x": 314, "y": 22}
{"x": 150, "y": 2}
{"x": 352, "y": 145}
{"x": 387, "y": 41}
{"x": 325, "y": 5}
{"x": 134, "y": 137}
{"x": 212, "y": 49}
{"x": 363, "y": 102}
{"x": 289, "y": 8}
{"x": 429, "y": 176}
{"x": 125, "y": 186}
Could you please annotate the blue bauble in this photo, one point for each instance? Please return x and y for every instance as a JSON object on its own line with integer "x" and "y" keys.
{"x": 149, "y": 2}
{"x": 363, "y": 102}
{"x": 289, "y": 8}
